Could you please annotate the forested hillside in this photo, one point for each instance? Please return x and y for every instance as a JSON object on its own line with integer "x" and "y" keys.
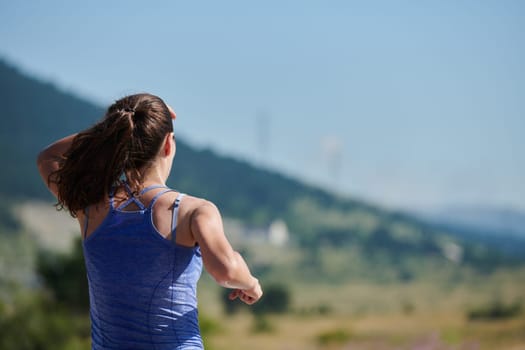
{"x": 36, "y": 113}
{"x": 33, "y": 114}
{"x": 358, "y": 235}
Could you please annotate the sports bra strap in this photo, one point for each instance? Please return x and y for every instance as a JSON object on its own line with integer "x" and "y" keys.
{"x": 149, "y": 188}
{"x": 112, "y": 198}
{"x": 128, "y": 189}
{"x": 134, "y": 200}
{"x": 160, "y": 193}
{"x": 175, "y": 215}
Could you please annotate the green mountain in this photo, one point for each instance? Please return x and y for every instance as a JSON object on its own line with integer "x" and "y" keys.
{"x": 335, "y": 236}
{"x": 33, "y": 114}
{"x": 37, "y": 113}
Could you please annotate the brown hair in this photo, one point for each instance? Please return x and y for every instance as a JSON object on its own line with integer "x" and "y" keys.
{"x": 121, "y": 145}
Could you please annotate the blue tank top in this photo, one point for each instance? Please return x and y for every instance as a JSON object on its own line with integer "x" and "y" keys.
{"x": 142, "y": 286}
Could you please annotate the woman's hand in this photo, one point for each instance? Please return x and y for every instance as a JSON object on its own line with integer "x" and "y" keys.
{"x": 247, "y": 296}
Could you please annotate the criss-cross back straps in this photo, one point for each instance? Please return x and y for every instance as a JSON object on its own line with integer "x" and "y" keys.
{"x": 176, "y": 205}
{"x": 133, "y": 199}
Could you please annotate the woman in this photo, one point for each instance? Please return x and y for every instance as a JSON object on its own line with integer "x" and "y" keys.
{"x": 144, "y": 244}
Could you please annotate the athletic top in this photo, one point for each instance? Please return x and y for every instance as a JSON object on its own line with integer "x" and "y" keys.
{"x": 142, "y": 286}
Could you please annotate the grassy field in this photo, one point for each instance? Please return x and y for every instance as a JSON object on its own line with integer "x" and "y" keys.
{"x": 376, "y": 317}
{"x": 374, "y": 332}
{"x": 427, "y": 313}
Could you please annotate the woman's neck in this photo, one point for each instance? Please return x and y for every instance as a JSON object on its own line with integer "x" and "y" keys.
{"x": 154, "y": 176}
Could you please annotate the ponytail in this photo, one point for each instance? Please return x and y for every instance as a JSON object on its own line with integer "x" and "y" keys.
{"x": 124, "y": 142}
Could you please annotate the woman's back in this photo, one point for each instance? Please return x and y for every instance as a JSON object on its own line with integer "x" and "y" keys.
{"x": 142, "y": 285}
{"x": 142, "y": 274}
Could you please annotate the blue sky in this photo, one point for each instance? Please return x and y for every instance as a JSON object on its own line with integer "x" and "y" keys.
{"x": 411, "y": 104}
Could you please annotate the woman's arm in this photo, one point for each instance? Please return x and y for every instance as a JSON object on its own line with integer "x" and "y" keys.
{"x": 225, "y": 265}
{"x": 48, "y": 160}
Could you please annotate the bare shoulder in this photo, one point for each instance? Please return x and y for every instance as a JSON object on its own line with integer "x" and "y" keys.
{"x": 203, "y": 209}
{"x": 200, "y": 213}
{"x": 190, "y": 206}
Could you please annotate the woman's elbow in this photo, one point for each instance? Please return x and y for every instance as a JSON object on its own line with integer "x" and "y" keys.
{"x": 40, "y": 162}
{"x": 46, "y": 166}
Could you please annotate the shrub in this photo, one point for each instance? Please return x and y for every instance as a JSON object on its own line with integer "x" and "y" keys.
{"x": 35, "y": 322}
{"x": 276, "y": 299}
{"x": 64, "y": 275}
{"x": 262, "y": 325}
{"x": 495, "y": 311}
{"x": 208, "y": 325}
{"x": 336, "y": 336}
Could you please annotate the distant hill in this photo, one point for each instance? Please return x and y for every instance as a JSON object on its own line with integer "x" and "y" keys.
{"x": 497, "y": 227}
{"x": 337, "y": 236}
{"x": 488, "y": 220}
